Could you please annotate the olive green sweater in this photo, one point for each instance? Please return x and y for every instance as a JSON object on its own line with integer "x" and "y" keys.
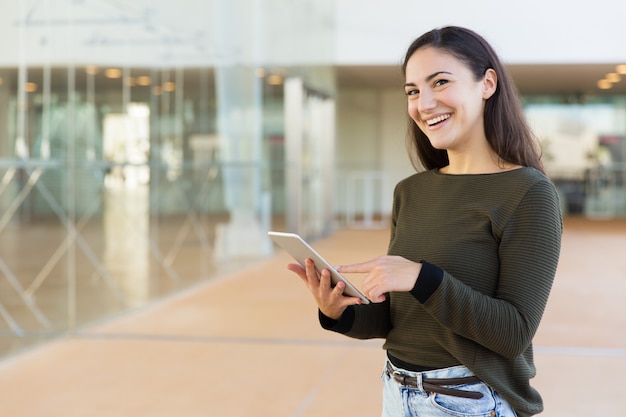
{"x": 489, "y": 245}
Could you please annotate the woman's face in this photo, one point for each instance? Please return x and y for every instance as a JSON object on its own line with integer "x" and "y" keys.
{"x": 445, "y": 100}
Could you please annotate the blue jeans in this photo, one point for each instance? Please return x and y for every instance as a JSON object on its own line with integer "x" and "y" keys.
{"x": 404, "y": 401}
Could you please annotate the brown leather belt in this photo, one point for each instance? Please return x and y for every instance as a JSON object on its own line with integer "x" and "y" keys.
{"x": 438, "y": 385}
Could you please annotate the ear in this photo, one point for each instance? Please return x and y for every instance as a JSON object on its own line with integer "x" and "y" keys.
{"x": 490, "y": 83}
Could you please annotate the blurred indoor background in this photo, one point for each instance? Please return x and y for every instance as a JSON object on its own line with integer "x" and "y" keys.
{"x": 147, "y": 146}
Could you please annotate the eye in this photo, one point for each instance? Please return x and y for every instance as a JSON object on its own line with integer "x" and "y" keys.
{"x": 411, "y": 91}
{"x": 440, "y": 82}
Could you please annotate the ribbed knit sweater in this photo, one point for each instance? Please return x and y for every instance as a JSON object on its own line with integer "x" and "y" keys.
{"x": 489, "y": 245}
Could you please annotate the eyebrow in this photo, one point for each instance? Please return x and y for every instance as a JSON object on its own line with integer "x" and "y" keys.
{"x": 429, "y": 78}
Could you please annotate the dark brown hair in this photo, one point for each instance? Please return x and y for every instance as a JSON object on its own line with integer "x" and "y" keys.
{"x": 506, "y": 128}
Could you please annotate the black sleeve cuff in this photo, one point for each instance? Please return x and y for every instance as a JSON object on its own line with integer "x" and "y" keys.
{"x": 343, "y": 325}
{"x": 428, "y": 280}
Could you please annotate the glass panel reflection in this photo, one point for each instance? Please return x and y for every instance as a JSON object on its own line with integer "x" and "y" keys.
{"x": 117, "y": 170}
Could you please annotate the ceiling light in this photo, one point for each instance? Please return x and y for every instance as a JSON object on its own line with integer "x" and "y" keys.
{"x": 30, "y": 87}
{"x": 144, "y": 80}
{"x": 613, "y": 77}
{"x": 260, "y": 72}
{"x": 275, "y": 79}
{"x": 113, "y": 73}
{"x": 604, "y": 84}
{"x": 169, "y": 86}
{"x": 621, "y": 69}
{"x": 91, "y": 70}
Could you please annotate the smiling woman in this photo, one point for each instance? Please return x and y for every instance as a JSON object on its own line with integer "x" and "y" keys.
{"x": 441, "y": 58}
{"x": 475, "y": 241}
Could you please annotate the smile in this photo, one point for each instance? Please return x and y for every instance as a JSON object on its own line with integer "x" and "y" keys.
{"x": 438, "y": 119}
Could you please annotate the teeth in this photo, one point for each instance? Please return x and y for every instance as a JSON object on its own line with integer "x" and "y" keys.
{"x": 437, "y": 119}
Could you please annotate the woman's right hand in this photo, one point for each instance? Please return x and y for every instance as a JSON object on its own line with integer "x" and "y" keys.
{"x": 330, "y": 300}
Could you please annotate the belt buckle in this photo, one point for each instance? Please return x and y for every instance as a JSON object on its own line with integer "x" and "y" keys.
{"x": 402, "y": 378}
{"x": 406, "y": 380}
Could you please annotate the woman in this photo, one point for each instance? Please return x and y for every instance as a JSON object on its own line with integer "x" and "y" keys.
{"x": 475, "y": 242}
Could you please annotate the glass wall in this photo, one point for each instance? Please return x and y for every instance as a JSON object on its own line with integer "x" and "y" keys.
{"x": 584, "y": 148}
{"x": 141, "y": 152}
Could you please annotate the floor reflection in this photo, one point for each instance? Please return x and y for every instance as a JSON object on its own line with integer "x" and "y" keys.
{"x": 105, "y": 264}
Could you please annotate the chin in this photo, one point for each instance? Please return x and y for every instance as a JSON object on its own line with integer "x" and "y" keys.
{"x": 439, "y": 145}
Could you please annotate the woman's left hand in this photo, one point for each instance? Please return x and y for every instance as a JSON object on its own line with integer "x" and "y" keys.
{"x": 385, "y": 274}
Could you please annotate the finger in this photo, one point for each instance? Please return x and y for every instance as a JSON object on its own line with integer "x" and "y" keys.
{"x": 342, "y": 299}
{"x": 374, "y": 297}
{"x": 297, "y": 268}
{"x": 300, "y": 271}
{"x": 310, "y": 267}
{"x": 311, "y": 273}
{"x": 373, "y": 291}
{"x": 325, "y": 281}
{"x": 338, "y": 289}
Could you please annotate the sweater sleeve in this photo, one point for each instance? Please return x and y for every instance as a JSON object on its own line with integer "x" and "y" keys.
{"x": 365, "y": 321}
{"x": 529, "y": 251}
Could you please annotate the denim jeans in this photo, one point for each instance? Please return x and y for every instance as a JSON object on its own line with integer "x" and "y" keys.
{"x": 405, "y": 401}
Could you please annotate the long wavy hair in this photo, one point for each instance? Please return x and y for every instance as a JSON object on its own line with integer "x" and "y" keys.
{"x": 506, "y": 127}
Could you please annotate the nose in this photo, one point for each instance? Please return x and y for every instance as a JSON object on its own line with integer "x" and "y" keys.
{"x": 426, "y": 101}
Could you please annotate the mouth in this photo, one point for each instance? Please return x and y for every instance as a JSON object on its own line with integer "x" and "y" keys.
{"x": 436, "y": 120}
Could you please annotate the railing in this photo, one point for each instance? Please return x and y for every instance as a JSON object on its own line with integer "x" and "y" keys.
{"x": 606, "y": 191}
{"x": 366, "y": 199}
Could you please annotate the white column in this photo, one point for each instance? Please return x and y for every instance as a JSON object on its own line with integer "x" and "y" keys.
{"x": 239, "y": 118}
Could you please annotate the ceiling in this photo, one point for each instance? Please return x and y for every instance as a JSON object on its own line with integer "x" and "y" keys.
{"x": 570, "y": 80}
{"x": 563, "y": 79}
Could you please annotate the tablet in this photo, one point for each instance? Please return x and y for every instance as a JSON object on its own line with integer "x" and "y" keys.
{"x": 300, "y": 251}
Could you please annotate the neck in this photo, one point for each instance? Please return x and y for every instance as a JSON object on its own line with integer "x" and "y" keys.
{"x": 482, "y": 163}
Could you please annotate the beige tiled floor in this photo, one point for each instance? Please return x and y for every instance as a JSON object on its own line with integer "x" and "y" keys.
{"x": 248, "y": 344}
